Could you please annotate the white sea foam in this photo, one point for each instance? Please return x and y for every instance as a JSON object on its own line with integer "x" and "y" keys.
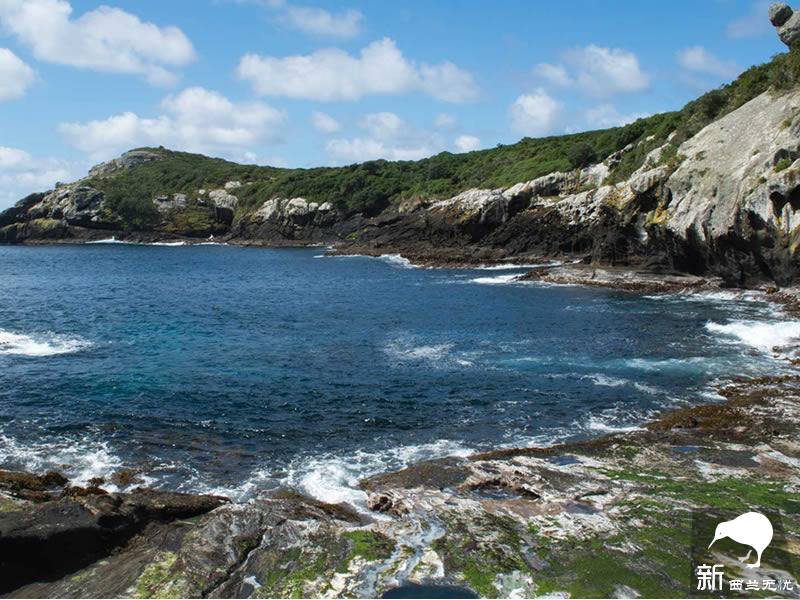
{"x": 604, "y": 425}
{"x": 496, "y": 280}
{"x": 513, "y": 266}
{"x": 173, "y": 244}
{"x": 80, "y": 460}
{"x": 608, "y": 381}
{"x": 39, "y": 345}
{"x": 397, "y": 260}
{"x": 771, "y": 337}
{"x": 334, "y": 478}
{"x": 111, "y": 240}
{"x": 410, "y": 350}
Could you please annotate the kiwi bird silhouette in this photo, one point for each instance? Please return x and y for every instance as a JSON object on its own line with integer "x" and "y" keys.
{"x": 751, "y": 529}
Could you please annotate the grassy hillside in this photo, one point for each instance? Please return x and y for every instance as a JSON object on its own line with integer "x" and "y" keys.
{"x": 371, "y": 186}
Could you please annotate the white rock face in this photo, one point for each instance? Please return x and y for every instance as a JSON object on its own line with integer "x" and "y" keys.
{"x": 222, "y": 199}
{"x": 293, "y": 209}
{"x": 233, "y": 185}
{"x": 164, "y": 203}
{"x": 730, "y": 169}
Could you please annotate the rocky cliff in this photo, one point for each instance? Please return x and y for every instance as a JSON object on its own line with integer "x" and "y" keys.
{"x": 712, "y": 190}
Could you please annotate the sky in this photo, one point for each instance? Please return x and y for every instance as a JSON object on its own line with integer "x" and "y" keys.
{"x": 321, "y": 82}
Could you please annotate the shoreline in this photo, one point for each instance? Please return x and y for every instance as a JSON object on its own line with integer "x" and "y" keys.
{"x": 573, "y": 491}
{"x": 521, "y": 511}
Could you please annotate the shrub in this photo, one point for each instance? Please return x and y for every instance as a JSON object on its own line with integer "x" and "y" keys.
{"x": 581, "y": 155}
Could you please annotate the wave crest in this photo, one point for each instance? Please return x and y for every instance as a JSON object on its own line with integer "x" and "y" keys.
{"x": 38, "y": 345}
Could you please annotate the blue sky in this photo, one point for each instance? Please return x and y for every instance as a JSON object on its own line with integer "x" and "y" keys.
{"x": 314, "y": 82}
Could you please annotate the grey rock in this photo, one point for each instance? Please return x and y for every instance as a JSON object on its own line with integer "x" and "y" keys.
{"x": 128, "y": 160}
{"x": 222, "y": 199}
{"x": 779, "y": 13}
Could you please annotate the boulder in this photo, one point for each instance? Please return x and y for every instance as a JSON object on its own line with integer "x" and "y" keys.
{"x": 779, "y": 13}
{"x": 222, "y": 199}
{"x": 786, "y": 21}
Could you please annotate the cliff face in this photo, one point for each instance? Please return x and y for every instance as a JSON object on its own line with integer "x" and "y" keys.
{"x": 711, "y": 190}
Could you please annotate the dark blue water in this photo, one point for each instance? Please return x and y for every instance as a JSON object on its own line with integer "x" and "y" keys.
{"x": 237, "y": 369}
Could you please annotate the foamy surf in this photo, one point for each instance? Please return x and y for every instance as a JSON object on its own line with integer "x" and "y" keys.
{"x": 513, "y": 266}
{"x": 496, "y": 280}
{"x": 79, "y": 460}
{"x": 39, "y": 345}
{"x": 111, "y": 240}
{"x": 333, "y": 478}
{"x": 779, "y": 338}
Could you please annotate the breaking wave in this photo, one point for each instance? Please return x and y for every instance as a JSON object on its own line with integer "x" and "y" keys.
{"x": 779, "y": 338}
{"x": 80, "y": 460}
{"x": 39, "y": 345}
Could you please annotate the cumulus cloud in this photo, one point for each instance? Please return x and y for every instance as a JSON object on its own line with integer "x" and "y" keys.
{"x": 331, "y": 74}
{"x": 387, "y": 136}
{"x": 467, "y": 143}
{"x": 21, "y": 174}
{"x": 105, "y": 39}
{"x": 197, "y": 120}
{"x": 606, "y": 115}
{"x": 15, "y": 76}
{"x": 597, "y": 71}
{"x": 324, "y": 122}
{"x": 699, "y": 60}
{"x": 753, "y": 24}
{"x": 535, "y": 114}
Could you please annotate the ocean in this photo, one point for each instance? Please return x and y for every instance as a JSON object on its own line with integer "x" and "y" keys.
{"x": 233, "y": 370}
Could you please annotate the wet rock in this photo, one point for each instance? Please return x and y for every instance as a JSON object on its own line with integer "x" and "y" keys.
{"x": 52, "y": 539}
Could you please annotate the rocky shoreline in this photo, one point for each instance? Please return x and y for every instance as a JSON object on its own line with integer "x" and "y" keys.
{"x": 609, "y": 516}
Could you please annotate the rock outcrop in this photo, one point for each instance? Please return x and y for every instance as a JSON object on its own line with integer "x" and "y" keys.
{"x": 786, "y": 21}
{"x": 723, "y": 203}
{"x": 52, "y": 530}
{"x": 605, "y": 517}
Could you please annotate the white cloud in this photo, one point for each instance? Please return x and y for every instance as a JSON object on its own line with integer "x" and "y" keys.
{"x": 197, "y": 120}
{"x": 105, "y": 39}
{"x": 22, "y": 174}
{"x": 383, "y": 125}
{"x": 324, "y": 122}
{"x": 387, "y": 136}
{"x": 331, "y": 74}
{"x": 597, "y": 71}
{"x": 15, "y": 76}
{"x": 555, "y": 74}
{"x": 753, "y": 24}
{"x": 317, "y": 21}
{"x": 535, "y": 114}
{"x": 467, "y": 143}
{"x": 606, "y": 115}
{"x": 444, "y": 120}
{"x": 699, "y": 60}
{"x": 313, "y": 20}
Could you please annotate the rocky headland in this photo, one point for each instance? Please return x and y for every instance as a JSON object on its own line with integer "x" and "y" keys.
{"x": 710, "y": 191}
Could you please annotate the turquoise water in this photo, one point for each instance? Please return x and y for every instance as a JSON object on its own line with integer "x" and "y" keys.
{"x": 236, "y": 369}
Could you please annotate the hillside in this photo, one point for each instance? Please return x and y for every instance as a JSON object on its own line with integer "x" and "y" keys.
{"x": 607, "y": 196}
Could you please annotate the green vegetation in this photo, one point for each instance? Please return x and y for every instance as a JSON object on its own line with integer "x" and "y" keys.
{"x": 782, "y": 164}
{"x": 157, "y": 579}
{"x": 371, "y": 186}
{"x": 370, "y": 545}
